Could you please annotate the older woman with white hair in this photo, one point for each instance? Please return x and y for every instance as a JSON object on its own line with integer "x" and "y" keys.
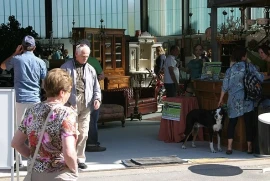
{"x": 85, "y": 94}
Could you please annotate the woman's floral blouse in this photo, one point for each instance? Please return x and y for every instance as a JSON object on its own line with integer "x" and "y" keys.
{"x": 233, "y": 84}
{"x": 61, "y": 123}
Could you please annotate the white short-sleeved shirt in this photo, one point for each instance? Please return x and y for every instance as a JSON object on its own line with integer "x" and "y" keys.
{"x": 170, "y": 62}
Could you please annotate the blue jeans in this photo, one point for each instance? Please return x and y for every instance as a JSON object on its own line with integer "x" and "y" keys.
{"x": 93, "y": 129}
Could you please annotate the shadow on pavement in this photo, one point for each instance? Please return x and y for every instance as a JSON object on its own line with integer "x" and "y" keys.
{"x": 216, "y": 170}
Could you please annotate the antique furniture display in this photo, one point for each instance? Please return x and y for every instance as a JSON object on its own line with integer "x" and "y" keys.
{"x": 113, "y": 82}
{"x": 214, "y": 4}
{"x": 142, "y": 55}
{"x": 137, "y": 92}
{"x": 108, "y": 46}
{"x": 111, "y": 112}
{"x": 136, "y": 114}
{"x": 147, "y": 102}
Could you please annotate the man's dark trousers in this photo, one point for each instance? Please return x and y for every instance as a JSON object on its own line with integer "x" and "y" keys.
{"x": 93, "y": 128}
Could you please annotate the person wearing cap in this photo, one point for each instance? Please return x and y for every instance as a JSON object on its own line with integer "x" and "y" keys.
{"x": 29, "y": 70}
{"x": 85, "y": 95}
{"x": 93, "y": 145}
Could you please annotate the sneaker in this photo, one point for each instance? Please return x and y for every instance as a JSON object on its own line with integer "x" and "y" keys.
{"x": 82, "y": 165}
{"x": 95, "y": 148}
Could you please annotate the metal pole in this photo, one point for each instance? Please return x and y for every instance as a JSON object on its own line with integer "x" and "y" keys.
{"x": 214, "y": 44}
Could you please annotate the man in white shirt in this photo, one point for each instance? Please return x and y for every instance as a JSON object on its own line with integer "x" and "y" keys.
{"x": 171, "y": 72}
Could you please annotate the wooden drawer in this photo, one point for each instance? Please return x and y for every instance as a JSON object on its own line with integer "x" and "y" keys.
{"x": 118, "y": 81}
{"x": 112, "y": 82}
{"x": 112, "y": 86}
{"x": 101, "y": 83}
{"x": 123, "y": 85}
{"x": 119, "y": 72}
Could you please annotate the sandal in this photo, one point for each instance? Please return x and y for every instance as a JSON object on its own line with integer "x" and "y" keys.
{"x": 229, "y": 152}
{"x": 249, "y": 152}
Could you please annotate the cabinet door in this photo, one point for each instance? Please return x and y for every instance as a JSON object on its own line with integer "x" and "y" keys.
{"x": 118, "y": 49}
{"x": 95, "y": 45}
{"x": 133, "y": 58}
{"x": 108, "y": 53}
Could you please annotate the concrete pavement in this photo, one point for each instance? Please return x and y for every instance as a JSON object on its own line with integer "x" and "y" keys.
{"x": 249, "y": 170}
{"x": 139, "y": 139}
{"x": 245, "y": 170}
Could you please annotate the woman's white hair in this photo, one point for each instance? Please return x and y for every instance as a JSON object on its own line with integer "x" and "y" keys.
{"x": 80, "y": 47}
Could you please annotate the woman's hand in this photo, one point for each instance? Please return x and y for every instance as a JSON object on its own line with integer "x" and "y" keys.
{"x": 220, "y": 103}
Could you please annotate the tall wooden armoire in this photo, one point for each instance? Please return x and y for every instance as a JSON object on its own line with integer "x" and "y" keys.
{"x": 109, "y": 49}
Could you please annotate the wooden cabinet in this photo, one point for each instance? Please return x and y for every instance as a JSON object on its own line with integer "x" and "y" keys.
{"x": 113, "y": 82}
{"x": 109, "y": 50}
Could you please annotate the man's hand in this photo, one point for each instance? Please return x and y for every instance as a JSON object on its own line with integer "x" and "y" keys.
{"x": 101, "y": 76}
{"x": 18, "y": 50}
{"x": 96, "y": 104}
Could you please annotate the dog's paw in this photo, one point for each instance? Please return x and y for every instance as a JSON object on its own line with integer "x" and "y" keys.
{"x": 220, "y": 150}
{"x": 213, "y": 151}
{"x": 183, "y": 147}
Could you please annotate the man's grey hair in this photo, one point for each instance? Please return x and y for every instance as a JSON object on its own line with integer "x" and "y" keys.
{"x": 80, "y": 47}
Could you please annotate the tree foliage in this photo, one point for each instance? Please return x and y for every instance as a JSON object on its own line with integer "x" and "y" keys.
{"x": 11, "y": 35}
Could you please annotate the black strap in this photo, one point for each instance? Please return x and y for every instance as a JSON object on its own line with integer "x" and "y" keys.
{"x": 246, "y": 67}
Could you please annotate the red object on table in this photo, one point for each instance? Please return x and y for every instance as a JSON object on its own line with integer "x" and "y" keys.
{"x": 173, "y": 131}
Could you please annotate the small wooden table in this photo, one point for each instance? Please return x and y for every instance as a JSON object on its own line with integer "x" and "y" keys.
{"x": 173, "y": 131}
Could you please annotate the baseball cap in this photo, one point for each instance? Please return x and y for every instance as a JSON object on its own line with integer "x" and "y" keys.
{"x": 84, "y": 41}
{"x": 28, "y": 41}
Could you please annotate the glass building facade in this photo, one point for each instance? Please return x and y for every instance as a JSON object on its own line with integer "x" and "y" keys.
{"x": 165, "y": 16}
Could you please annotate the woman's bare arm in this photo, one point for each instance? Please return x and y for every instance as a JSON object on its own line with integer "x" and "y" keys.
{"x": 220, "y": 102}
{"x": 18, "y": 143}
{"x": 70, "y": 153}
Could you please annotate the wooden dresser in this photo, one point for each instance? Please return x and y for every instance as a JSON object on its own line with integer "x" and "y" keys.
{"x": 112, "y": 82}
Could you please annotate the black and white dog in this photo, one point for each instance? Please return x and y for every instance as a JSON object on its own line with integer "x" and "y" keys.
{"x": 211, "y": 119}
